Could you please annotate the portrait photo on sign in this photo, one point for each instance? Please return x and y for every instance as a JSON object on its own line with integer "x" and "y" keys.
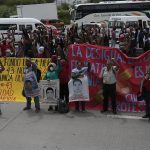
{"x": 78, "y": 89}
{"x": 31, "y": 87}
{"x": 49, "y": 92}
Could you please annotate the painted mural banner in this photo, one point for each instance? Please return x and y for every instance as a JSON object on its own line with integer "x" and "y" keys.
{"x": 132, "y": 70}
{"x": 12, "y": 78}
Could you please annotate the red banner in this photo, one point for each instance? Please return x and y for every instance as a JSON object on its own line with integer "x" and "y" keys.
{"x": 132, "y": 70}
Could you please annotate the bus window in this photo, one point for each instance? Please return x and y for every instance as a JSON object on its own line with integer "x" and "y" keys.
{"x": 78, "y": 15}
{"x": 117, "y": 24}
{"x": 148, "y": 22}
{"x": 21, "y": 27}
{"x": 8, "y": 26}
{"x": 131, "y": 23}
{"x": 144, "y": 24}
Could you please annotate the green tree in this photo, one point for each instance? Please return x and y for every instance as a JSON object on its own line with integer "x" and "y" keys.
{"x": 63, "y": 13}
{"x": 6, "y": 11}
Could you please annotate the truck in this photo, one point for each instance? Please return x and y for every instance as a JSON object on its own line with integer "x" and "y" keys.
{"x": 38, "y": 11}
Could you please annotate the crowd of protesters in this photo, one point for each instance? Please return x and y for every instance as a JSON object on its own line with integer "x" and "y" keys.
{"x": 42, "y": 43}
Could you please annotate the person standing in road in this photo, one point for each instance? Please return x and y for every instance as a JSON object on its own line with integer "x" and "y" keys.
{"x": 52, "y": 73}
{"x": 1, "y": 70}
{"x": 145, "y": 92}
{"x": 108, "y": 77}
{"x": 30, "y": 85}
{"x": 76, "y": 73}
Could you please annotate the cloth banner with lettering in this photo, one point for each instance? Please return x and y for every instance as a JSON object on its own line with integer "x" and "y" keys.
{"x": 131, "y": 71}
{"x": 12, "y": 78}
{"x": 78, "y": 89}
{"x": 49, "y": 91}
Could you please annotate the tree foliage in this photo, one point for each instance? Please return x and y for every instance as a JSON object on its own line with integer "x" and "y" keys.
{"x": 63, "y": 13}
{"x": 8, "y": 7}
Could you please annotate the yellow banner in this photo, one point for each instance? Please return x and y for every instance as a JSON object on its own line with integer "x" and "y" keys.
{"x": 11, "y": 80}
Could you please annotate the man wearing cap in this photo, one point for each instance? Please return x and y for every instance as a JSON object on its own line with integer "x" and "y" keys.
{"x": 108, "y": 77}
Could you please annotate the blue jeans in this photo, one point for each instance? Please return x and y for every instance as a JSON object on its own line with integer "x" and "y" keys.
{"x": 36, "y": 101}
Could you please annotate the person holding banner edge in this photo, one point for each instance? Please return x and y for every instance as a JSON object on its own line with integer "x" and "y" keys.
{"x": 76, "y": 73}
{"x": 1, "y": 70}
{"x": 108, "y": 78}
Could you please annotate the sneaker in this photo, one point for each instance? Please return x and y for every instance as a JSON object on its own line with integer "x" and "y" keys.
{"x": 37, "y": 110}
{"x": 102, "y": 111}
{"x": 77, "y": 110}
{"x": 115, "y": 112}
{"x": 145, "y": 116}
{"x": 26, "y": 108}
{"x": 50, "y": 108}
{"x": 83, "y": 110}
{"x": 56, "y": 108}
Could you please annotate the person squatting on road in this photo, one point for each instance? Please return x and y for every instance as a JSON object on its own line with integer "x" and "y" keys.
{"x": 30, "y": 86}
{"x": 108, "y": 78}
{"x": 76, "y": 73}
{"x": 145, "y": 92}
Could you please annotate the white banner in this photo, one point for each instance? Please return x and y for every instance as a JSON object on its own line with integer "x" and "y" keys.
{"x": 31, "y": 87}
{"x": 49, "y": 91}
{"x": 78, "y": 89}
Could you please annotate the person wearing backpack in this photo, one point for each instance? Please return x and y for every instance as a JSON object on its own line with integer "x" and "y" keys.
{"x": 108, "y": 77}
{"x": 31, "y": 67}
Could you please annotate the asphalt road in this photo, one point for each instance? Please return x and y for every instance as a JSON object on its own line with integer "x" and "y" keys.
{"x": 91, "y": 130}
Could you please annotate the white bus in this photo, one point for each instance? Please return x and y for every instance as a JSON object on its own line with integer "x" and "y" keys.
{"x": 120, "y": 22}
{"x": 101, "y": 12}
{"x": 18, "y": 24}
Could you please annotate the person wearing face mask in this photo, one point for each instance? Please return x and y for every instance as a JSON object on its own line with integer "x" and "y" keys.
{"x": 53, "y": 74}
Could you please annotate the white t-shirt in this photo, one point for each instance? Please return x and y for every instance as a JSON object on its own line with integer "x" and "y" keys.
{"x": 109, "y": 77}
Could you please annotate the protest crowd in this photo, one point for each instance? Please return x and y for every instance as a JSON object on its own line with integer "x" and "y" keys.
{"x": 42, "y": 43}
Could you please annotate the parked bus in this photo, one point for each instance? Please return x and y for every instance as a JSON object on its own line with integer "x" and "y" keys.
{"x": 127, "y": 21}
{"x": 101, "y": 12}
{"x": 17, "y": 25}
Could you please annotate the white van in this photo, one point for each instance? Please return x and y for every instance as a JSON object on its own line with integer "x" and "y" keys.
{"x": 125, "y": 21}
{"x": 18, "y": 24}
